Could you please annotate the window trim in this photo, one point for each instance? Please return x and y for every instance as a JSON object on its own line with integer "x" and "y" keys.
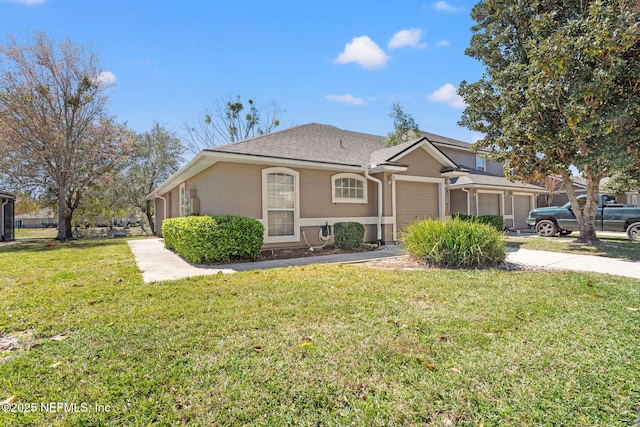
{"x": 295, "y": 237}
{"x": 363, "y": 199}
{"x": 183, "y": 200}
{"x": 481, "y": 163}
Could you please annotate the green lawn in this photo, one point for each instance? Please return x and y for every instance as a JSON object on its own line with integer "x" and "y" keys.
{"x": 36, "y": 233}
{"x": 317, "y": 345}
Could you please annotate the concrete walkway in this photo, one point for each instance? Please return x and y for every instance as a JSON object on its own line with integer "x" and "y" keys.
{"x": 584, "y": 263}
{"x": 158, "y": 263}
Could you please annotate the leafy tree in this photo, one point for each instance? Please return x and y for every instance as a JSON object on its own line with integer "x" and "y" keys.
{"x": 405, "y": 127}
{"x": 56, "y": 138}
{"x": 561, "y": 88}
{"x": 156, "y": 155}
{"x": 232, "y": 120}
{"x": 622, "y": 182}
{"x": 25, "y": 204}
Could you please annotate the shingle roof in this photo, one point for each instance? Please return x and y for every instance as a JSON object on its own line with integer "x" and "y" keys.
{"x": 311, "y": 142}
{"x": 477, "y": 177}
{"x": 322, "y": 143}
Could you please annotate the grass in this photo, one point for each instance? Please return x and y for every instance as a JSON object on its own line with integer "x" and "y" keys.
{"x": 35, "y": 233}
{"x": 329, "y": 345}
{"x": 611, "y": 246}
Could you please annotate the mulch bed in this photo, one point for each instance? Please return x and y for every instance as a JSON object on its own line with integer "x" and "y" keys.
{"x": 273, "y": 254}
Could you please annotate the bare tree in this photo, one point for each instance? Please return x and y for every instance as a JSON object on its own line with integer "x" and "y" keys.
{"x": 231, "y": 120}
{"x": 55, "y": 135}
{"x": 156, "y": 155}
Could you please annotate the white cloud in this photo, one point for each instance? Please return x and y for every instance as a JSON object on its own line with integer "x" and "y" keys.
{"x": 27, "y": 2}
{"x": 443, "y": 6}
{"x": 410, "y": 38}
{"x": 447, "y": 95}
{"x": 346, "y": 99}
{"x": 363, "y": 51}
{"x": 106, "y": 78}
{"x": 443, "y": 43}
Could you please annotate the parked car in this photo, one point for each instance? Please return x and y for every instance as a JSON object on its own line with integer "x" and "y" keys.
{"x": 611, "y": 216}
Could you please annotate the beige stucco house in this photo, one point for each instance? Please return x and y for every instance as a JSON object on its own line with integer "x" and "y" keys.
{"x": 296, "y": 180}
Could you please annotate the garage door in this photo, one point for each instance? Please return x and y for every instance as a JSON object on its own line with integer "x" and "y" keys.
{"x": 415, "y": 200}
{"x": 521, "y": 208}
{"x": 488, "y": 204}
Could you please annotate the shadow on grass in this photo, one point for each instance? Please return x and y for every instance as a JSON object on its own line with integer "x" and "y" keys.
{"x": 47, "y": 245}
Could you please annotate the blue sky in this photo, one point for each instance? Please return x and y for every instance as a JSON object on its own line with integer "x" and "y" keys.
{"x": 342, "y": 63}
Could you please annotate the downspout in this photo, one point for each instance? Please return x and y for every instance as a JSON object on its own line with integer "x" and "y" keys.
{"x": 2, "y": 219}
{"x": 468, "y": 200}
{"x": 164, "y": 208}
{"x": 379, "y": 222}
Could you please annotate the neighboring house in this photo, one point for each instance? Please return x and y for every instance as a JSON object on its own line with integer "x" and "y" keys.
{"x": 42, "y": 218}
{"x": 559, "y": 195}
{"x": 485, "y": 190}
{"x": 296, "y": 180}
{"x": 7, "y": 208}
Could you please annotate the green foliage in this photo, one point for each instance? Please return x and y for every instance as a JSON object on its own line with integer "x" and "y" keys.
{"x": 201, "y": 239}
{"x": 405, "y": 127}
{"x": 624, "y": 181}
{"x": 454, "y": 243}
{"x": 348, "y": 235}
{"x": 560, "y": 89}
{"x": 496, "y": 221}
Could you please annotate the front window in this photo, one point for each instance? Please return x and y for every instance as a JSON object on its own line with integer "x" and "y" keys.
{"x": 348, "y": 188}
{"x": 184, "y": 200}
{"x": 481, "y": 163}
{"x": 281, "y": 204}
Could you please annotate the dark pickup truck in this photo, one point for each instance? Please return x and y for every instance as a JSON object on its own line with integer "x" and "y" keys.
{"x": 611, "y": 216}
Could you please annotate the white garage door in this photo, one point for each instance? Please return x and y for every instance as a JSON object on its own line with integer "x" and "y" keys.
{"x": 488, "y": 204}
{"x": 521, "y": 208}
{"x": 415, "y": 200}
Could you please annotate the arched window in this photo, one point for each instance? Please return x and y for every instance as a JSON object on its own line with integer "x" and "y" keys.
{"x": 348, "y": 188}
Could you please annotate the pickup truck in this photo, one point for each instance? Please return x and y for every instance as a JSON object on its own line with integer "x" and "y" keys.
{"x": 611, "y": 216}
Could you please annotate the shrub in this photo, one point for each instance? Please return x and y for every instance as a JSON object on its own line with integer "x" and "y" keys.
{"x": 201, "y": 239}
{"x": 454, "y": 243}
{"x": 348, "y": 235}
{"x": 496, "y": 221}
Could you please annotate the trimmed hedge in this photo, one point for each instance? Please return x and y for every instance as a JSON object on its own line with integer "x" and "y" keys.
{"x": 496, "y": 221}
{"x": 348, "y": 235}
{"x": 454, "y": 243}
{"x": 201, "y": 239}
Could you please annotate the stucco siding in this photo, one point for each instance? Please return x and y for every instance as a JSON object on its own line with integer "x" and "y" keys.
{"x": 421, "y": 164}
{"x": 460, "y": 157}
{"x": 229, "y": 189}
{"x": 495, "y": 168}
{"x": 316, "y": 200}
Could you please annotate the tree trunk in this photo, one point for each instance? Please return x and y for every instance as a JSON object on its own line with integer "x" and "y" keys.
{"x": 149, "y": 215}
{"x": 62, "y": 217}
{"x": 585, "y": 215}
